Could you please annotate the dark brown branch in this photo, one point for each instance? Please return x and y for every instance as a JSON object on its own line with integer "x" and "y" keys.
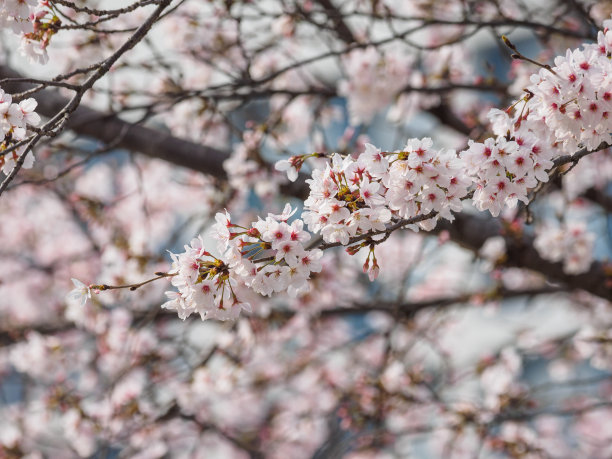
{"x": 175, "y": 412}
{"x": 471, "y": 232}
{"x": 106, "y": 127}
{"x": 336, "y": 17}
{"x": 59, "y": 120}
{"x": 558, "y": 412}
{"x": 600, "y": 198}
{"x": 409, "y": 309}
{"x": 12, "y": 335}
{"x": 96, "y": 12}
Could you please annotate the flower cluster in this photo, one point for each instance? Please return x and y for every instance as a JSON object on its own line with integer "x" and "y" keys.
{"x": 499, "y": 377}
{"x": 16, "y": 14}
{"x": 421, "y": 180}
{"x": 290, "y": 268}
{"x": 574, "y": 98}
{"x": 14, "y": 119}
{"x": 504, "y": 170}
{"x": 205, "y": 285}
{"x": 373, "y": 81}
{"x": 353, "y": 197}
{"x": 595, "y": 343}
{"x": 269, "y": 257}
{"x": 566, "y": 108}
{"x": 243, "y": 169}
{"x": 31, "y": 20}
{"x": 570, "y": 243}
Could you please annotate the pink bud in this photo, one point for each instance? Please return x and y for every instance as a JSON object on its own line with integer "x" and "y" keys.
{"x": 373, "y": 273}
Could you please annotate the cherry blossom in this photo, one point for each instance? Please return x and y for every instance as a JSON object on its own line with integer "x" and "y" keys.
{"x": 327, "y": 329}
{"x": 373, "y": 79}
{"x": 268, "y": 257}
{"x": 14, "y": 122}
{"x": 81, "y": 292}
{"x": 572, "y": 244}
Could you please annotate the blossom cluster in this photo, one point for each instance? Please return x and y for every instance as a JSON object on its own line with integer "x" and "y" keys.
{"x": 565, "y": 108}
{"x": 594, "y": 343}
{"x": 570, "y": 243}
{"x": 268, "y": 257}
{"x": 351, "y": 197}
{"x": 31, "y": 20}
{"x": 14, "y": 120}
{"x": 205, "y": 285}
{"x": 242, "y": 169}
{"x": 373, "y": 80}
{"x": 505, "y": 170}
{"x": 499, "y": 377}
{"x": 16, "y": 14}
{"x": 574, "y": 98}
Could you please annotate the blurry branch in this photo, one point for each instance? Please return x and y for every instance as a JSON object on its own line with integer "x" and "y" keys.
{"x": 58, "y": 120}
{"x": 517, "y": 416}
{"x": 519, "y": 23}
{"x": 549, "y": 28}
{"x": 12, "y": 335}
{"x": 572, "y": 383}
{"x": 471, "y": 232}
{"x": 100, "y": 15}
{"x": 86, "y": 156}
{"x": 99, "y": 12}
{"x": 333, "y": 13}
{"x": 248, "y": 92}
{"x": 174, "y": 411}
{"x": 600, "y": 198}
{"x": 574, "y": 5}
{"x": 107, "y": 127}
{"x": 557, "y": 412}
{"x": 409, "y": 309}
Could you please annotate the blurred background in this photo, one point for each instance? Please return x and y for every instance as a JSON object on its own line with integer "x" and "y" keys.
{"x": 459, "y": 348}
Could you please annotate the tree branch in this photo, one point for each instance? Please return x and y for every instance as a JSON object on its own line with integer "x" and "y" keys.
{"x": 471, "y": 232}
{"x": 106, "y": 127}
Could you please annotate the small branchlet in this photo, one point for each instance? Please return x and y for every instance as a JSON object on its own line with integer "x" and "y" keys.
{"x": 519, "y": 56}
